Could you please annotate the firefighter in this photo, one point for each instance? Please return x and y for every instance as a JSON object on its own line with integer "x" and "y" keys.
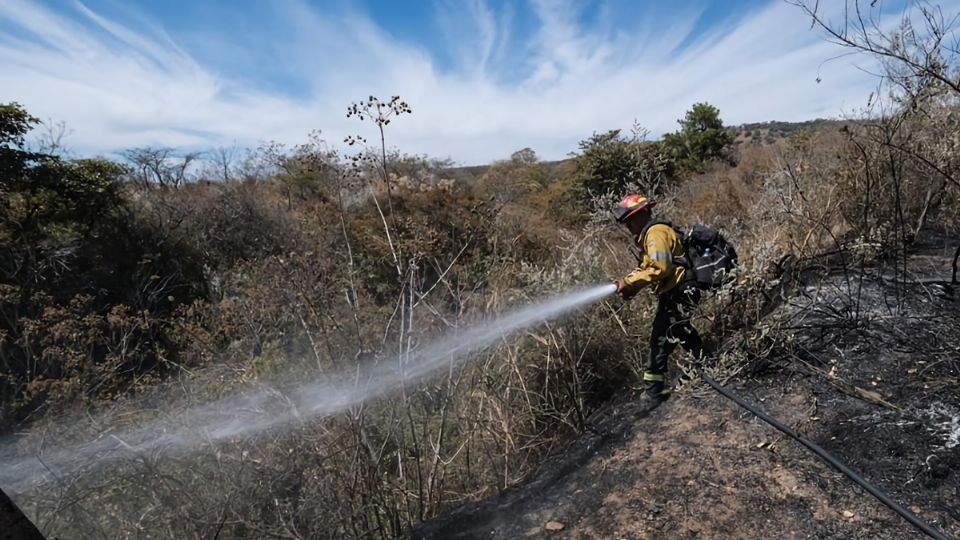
{"x": 661, "y": 268}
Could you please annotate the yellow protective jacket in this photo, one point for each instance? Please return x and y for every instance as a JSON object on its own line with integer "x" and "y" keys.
{"x": 660, "y": 247}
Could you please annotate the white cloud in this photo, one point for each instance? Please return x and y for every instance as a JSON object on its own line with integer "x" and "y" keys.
{"x": 118, "y": 86}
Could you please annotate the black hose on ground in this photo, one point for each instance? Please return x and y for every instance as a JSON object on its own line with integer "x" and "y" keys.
{"x": 927, "y": 528}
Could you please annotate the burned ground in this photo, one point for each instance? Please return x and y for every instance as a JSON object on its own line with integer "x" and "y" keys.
{"x": 871, "y": 373}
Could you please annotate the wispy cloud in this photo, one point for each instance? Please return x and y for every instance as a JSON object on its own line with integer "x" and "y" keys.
{"x": 119, "y": 85}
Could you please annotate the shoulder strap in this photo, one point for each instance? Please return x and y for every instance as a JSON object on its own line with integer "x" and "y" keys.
{"x": 643, "y": 232}
{"x": 681, "y": 236}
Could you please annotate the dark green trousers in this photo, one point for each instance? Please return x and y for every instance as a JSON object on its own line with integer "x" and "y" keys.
{"x": 671, "y": 325}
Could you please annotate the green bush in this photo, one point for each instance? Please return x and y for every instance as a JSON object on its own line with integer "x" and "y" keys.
{"x": 701, "y": 139}
{"x": 610, "y": 163}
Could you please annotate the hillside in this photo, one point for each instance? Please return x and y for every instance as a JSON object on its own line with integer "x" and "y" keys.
{"x": 762, "y": 133}
{"x": 769, "y": 132}
{"x": 699, "y": 466}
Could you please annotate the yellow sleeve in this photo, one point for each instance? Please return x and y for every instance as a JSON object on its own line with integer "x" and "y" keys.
{"x": 657, "y": 262}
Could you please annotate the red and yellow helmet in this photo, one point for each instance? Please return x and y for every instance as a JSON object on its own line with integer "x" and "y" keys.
{"x": 630, "y": 205}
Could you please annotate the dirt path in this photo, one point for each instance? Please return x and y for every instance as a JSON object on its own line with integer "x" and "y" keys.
{"x": 695, "y": 467}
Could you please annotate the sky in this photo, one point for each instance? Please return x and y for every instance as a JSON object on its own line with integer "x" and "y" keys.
{"x": 484, "y": 78}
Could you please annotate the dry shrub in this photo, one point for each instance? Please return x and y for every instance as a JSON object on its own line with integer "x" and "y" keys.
{"x": 724, "y": 195}
{"x": 373, "y": 470}
{"x": 778, "y": 201}
{"x": 225, "y": 222}
{"x": 898, "y": 173}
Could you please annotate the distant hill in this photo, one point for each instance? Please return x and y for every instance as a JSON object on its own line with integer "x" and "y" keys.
{"x": 756, "y": 132}
{"x": 771, "y": 131}
{"x": 476, "y": 171}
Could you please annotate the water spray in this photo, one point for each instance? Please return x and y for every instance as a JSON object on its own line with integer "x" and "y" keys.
{"x": 250, "y": 412}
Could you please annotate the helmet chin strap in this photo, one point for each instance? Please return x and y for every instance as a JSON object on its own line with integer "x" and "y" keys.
{"x": 638, "y": 221}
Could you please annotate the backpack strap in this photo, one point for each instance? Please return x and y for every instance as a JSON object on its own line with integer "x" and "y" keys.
{"x": 643, "y": 232}
{"x": 681, "y": 235}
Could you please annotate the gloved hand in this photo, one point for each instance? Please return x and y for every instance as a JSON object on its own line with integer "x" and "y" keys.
{"x": 623, "y": 290}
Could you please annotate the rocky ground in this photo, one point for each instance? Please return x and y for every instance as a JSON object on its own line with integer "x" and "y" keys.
{"x": 872, "y": 375}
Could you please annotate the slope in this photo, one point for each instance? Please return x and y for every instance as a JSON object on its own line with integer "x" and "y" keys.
{"x": 872, "y": 373}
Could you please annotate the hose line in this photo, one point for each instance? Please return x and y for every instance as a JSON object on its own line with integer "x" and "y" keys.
{"x": 927, "y": 528}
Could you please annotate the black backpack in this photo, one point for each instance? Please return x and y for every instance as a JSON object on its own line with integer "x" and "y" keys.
{"x": 710, "y": 259}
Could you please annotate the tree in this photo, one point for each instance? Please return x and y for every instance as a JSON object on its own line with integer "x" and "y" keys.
{"x": 45, "y": 196}
{"x": 160, "y": 165}
{"x": 309, "y": 169}
{"x": 223, "y": 163}
{"x": 915, "y": 57}
{"x": 525, "y": 156}
{"x": 702, "y": 138}
{"x": 15, "y": 122}
{"x": 611, "y": 163}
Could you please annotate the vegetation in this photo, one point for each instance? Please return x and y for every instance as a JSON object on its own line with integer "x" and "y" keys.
{"x": 88, "y": 284}
{"x": 610, "y": 163}
{"x": 300, "y": 263}
{"x": 701, "y": 139}
{"x": 771, "y": 131}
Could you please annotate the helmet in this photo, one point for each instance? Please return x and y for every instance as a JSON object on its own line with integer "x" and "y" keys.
{"x": 630, "y": 205}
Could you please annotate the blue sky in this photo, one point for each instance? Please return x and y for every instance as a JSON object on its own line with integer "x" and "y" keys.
{"x": 484, "y": 78}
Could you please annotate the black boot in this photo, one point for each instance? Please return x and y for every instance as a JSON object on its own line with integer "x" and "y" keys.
{"x": 654, "y": 394}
